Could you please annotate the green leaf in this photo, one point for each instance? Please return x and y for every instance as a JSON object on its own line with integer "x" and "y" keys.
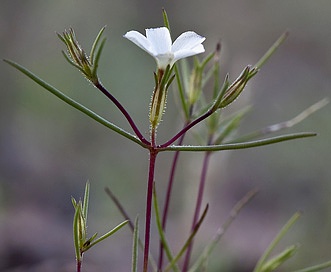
{"x": 161, "y": 232}
{"x": 279, "y": 259}
{"x": 95, "y": 44}
{"x": 277, "y": 239}
{"x": 97, "y": 58}
{"x": 229, "y": 125}
{"x": 221, "y": 231}
{"x": 135, "y": 245}
{"x": 182, "y": 93}
{"x": 284, "y": 125}
{"x": 86, "y": 200}
{"x": 318, "y": 267}
{"x": 122, "y": 210}
{"x": 75, "y": 104}
{"x": 106, "y": 235}
{"x": 244, "y": 145}
{"x": 271, "y": 50}
{"x": 188, "y": 241}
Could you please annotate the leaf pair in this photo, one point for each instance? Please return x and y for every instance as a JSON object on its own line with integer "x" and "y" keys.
{"x": 81, "y": 242}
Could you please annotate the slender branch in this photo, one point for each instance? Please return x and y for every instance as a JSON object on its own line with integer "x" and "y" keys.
{"x": 188, "y": 241}
{"x": 164, "y": 146}
{"x": 168, "y": 196}
{"x": 123, "y": 111}
{"x": 120, "y": 207}
{"x": 221, "y": 231}
{"x": 130, "y": 222}
{"x": 198, "y": 204}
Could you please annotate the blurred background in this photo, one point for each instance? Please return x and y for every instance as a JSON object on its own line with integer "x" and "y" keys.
{"x": 49, "y": 150}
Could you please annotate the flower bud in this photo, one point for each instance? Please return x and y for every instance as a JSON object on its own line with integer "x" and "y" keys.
{"x": 78, "y": 58}
{"x": 159, "y": 98}
{"x": 235, "y": 89}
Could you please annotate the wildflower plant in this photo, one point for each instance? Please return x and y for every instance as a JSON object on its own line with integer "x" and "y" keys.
{"x": 189, "y": 83}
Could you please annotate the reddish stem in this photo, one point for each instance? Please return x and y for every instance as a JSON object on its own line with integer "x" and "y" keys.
{"x": 168, "y": 196}
{"x": 150, "y": 184}
{"x": 198, "y": 205}
{"x": 78, "y": 266}
{"x": 152, "y": 159}
{"x": 124, "y": 111}
{"x": 186, "y": 128}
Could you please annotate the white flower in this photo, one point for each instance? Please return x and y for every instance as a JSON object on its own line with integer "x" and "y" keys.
{"x": 158, "y": 44}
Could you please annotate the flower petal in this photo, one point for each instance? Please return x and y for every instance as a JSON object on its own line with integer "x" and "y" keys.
{"x": 188, "y": 40}
{"x": 140, "y": 40}
{"x": 184, "y": 53}
{"x": 160, "y": 40}
{"x": 163, "y": 60}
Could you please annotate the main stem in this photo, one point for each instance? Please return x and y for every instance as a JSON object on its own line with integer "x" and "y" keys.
{"x": 152, "y": 159}
{"x": 78, "y": 265}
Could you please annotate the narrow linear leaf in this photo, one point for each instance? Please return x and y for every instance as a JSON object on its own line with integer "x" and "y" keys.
{"x": 275, "y": 242}
{"x": 161, "y": 232}
{"x": 318, "y": 267}
{"x": 95, "y": 43}
{"x": 244, "y": 145}
{"x": 279, "y": 259}
{"x": 75, "y": 104}
{"x": 135, "y": 245}
{"x": 122, "y": 210}
{"x": 272, "y": 50}
{"x": 189, "y": 240}
{"x": 86, "y": 200}
{"x": 181, "y": 93}
{"x": 284, "y": 125}
{"x": 221, "y": 231}
{"x": 106, "y": 235}
{"x": 227, "y": 127}
{"x": 97, "y": 58}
